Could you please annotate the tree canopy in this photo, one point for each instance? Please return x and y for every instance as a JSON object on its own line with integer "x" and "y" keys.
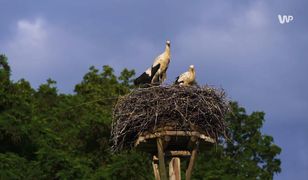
{"x": 48, "y": 135}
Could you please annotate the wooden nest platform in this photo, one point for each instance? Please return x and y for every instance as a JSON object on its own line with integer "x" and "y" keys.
{"x": 169, "y": 122}
{"x": 176, "y": 142}
{"x": 171, "y": 145}
{"x": 145, "y": 110}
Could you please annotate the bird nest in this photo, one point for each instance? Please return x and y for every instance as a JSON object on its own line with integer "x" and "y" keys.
{"x": 183, "y": 108}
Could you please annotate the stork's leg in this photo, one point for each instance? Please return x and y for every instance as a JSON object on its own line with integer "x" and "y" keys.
{"x": 156, "y": 77}
{"x": 163, "y": 77}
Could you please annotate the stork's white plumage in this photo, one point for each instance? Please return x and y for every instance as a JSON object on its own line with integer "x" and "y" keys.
{"x": 188, "y": 78}
{"x": 157, "y": 72}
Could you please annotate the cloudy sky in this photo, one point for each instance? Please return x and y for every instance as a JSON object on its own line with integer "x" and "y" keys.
{"x": 240, "y": 46}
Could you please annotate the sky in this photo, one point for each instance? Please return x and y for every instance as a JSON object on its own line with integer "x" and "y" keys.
{"x": 240, "y": 46}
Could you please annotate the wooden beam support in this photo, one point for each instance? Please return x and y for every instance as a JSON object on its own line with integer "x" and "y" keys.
{"x": 177, "y": 153}
{"x": 175, "y": 169}
{"x": 192, "y": 161}
{"x": 155, "y": 169}
{"x": 161, "y": 158}
{"x": 145, "y": 137}
{"x": 175, "y": 145}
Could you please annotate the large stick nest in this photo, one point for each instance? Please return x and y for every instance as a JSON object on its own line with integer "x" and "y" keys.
{"x": 184, "y": 108}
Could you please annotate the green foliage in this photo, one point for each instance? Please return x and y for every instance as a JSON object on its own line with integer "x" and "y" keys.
{"x": 13, "y": 166}
{"x": 47, "y": 135}
{"x": 127, "y": 165}
{"x": 248, "y": 154}
{"x": 5, "y": 70}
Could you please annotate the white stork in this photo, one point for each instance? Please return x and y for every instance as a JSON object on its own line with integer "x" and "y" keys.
{"x": 187, "y": 78}
{"x": 157, "y": 72}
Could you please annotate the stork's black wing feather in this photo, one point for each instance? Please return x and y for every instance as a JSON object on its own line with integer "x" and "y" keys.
{"x": 177, "y": 80}
{"x": 144, "y": 78}
{"x": 154, "y": 70}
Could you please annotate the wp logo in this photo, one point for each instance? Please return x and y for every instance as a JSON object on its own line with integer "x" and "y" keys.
{"x": 285, "y": 18}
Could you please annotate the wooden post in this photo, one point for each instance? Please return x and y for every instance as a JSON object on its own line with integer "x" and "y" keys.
{"x": 161, "y": 158}
{"x": 172, "y": 144}
{"x": 175, "y": 169}
{"x": 192, "y": 161}
{"x": 155, "y": 169}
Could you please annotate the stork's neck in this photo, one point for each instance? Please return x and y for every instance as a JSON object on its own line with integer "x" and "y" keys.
{"x": 192, "y": 71}
{"x": 167, "y": 50}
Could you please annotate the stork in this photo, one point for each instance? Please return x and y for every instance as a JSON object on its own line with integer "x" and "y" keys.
{"x": 157, "y": 72}
{"x": 187, "y": 78}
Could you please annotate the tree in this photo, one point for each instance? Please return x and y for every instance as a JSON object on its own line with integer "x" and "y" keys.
{"x": 247, "y": 154}
{"x": 48, "y": 135}
{"x": 5, "y": 69}
{"x": 15, "y": 113}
